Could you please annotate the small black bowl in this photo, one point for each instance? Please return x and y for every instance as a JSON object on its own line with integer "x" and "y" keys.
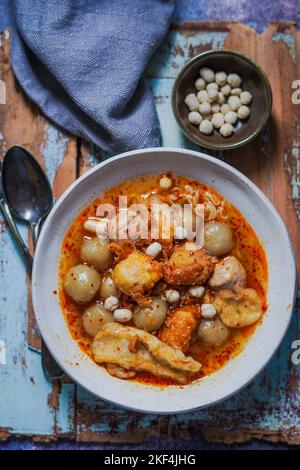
{"x": 254, "y": 80}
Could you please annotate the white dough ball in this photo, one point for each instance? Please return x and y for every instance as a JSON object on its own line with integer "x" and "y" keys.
{"x": 221, "y": 78}
{"x": 234, "y": 80}
{"x": 202, "y": 96}
{"x": 246, "y": 97}
{"x": 231, "y": 117}
{"x": 234, "y": 103}
{"x": 165, "y": 183}
{"x": 205, "y": 108}
{"x": 215, "y": 108}
{"x": 122, "y": 315}
{"x": 195, "y": 118}
{"x": 236, "y": 91}
{"x": 207, "y": 74}
{"x": 225, "y": 108}
{"x": 221, "y": 98}
{"x": 213, "y": 95}
{"x": 226, "y": 130}
{"x": 200, "y": 84}
{"x": 226, "y": 90}
{"x": 111, "y": 303}
{"x": 208, "y": 311}
{"x": 191, "y": 102}
{"x": 243, "y": 112}
{"x": 206, "y": 127}
{"x": 217, "y": 120}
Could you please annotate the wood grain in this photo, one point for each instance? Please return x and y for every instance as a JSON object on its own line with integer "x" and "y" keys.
{"x": 22, "y": 123}
{"x": 270, "y": 161}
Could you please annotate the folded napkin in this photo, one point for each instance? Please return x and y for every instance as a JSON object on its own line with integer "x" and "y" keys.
{"x": 82, "y": 62}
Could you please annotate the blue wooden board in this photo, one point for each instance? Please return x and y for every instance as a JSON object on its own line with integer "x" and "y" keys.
{"x": 268, "y": 408}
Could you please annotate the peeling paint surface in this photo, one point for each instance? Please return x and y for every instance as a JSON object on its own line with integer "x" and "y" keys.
{"x": 53, "y": 150}
{"x": 290, "y": 42}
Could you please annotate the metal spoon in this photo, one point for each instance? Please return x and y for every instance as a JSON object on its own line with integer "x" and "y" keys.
{"x": 11, "y": 223}
{"x": 26, "y": 188}
{"x": 29, "y": 196}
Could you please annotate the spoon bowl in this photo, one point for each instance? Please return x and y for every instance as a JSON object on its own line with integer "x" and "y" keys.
{"x": 26, "y": 187}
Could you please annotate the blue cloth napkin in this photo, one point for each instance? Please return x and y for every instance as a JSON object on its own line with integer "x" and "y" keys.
{"x": 82, "y": 62}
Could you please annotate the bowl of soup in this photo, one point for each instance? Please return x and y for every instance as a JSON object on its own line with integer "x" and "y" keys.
{"x": 158, "y": 281}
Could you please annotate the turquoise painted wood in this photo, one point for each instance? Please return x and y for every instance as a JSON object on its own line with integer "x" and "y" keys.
{"x": 270, "y": 405}
{"x": 25, "y": 394}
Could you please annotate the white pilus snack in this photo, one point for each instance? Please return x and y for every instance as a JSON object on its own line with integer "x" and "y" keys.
{"x": 206, "y": 127}
{"x": 207, "y": 74}
{"x": 205, "y": 108}
{"x": 243, "y": 112}
{"x": 217, "y": 120}
{"x": 218, "y": 103}
{"x": 192, "y": 102}
{"x": 200, "y": 84}
{"x": 226, "y": 130}
{"x": 245, "y": 97}
{"x": 231, "y": 117}
{"x": 234, "y": 80}
{"x": 195, "y": 118}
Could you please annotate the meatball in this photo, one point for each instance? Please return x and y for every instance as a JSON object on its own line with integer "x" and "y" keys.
{"x": 151, "y": 318}
{"x": 228, "y": 273}
{"x": 217, "y": 238}
{"x": 108, "y": 287}
{"x": 213, "y": 332}
{"x": 95, "y": 252}
{"x": 188, "y": 267}
{"x": 137, "y": 274}
{"x": 94, "y": 318}
{"x": 81, "y": 283}
{"x": 239, "y": 307}
{"x": 179, "y": 327}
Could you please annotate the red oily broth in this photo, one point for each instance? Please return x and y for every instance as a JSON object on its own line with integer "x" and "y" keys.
{"x": 247, "y": 248}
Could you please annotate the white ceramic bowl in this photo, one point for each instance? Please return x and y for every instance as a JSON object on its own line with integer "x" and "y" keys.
{"x": 260, "y": 347}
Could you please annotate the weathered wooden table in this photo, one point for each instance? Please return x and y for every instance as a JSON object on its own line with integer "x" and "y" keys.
{"x": 270, "y": 407}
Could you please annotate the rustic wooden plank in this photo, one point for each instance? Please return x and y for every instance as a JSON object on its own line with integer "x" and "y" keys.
{"x": 265, "y": 409}
{"x": 270, "y": 161}
{"x": 23, "y": 380}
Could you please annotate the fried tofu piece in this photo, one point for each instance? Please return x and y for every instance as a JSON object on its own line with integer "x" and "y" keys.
{"x": 136, "y": 275}
{"x": 189, "y": 267}
{"x": 179, "y": 327}
{"x": 239, "y": 307}
{"x": 136, "y": 350}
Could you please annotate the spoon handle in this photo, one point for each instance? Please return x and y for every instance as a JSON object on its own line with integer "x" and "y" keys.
{"x": 11, "y": 223}
{"x": 50, "y": 367}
